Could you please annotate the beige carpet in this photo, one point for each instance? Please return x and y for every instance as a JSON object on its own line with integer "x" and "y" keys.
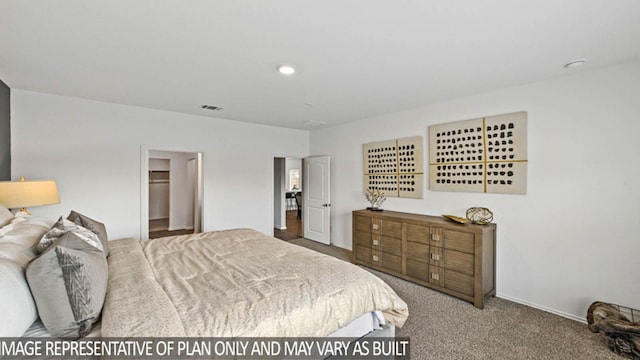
{"x": 443, "y": 327}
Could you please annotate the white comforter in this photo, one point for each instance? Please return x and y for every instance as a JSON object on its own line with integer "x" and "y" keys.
{"x": 236, "y": 283}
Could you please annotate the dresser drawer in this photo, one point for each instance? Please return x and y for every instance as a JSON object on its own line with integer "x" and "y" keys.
{"x": 388, "y": 261}
{"x": 418, "y": 269}
{"x": 363, "y": 254}
{"x": 362, "y": 224}
{"x": 449, "y": 279}
{"x": 460, "y": 241}
{"x": 417, "y": 251}
{"x": 390, "y": 245}
{"x": 436, "y": 256}
{"x": 362, "y": 238}
{"x": 458, "y": 282}
{"x": 435, "y": 236}
{"x": 417, "y": 233}
{"x": 458, "y": 261}
{"x": 390, "y": 228}
{"x": 436, "y": 275}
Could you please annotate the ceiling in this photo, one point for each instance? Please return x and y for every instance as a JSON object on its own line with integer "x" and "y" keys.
{"x": 355, "y": 58}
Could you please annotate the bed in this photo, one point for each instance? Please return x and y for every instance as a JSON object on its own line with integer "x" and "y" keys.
{"x": 229, "y": 283}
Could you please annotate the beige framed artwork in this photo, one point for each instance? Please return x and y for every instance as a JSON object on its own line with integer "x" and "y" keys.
{"x": 487, "y": 154}
{"x": 395, "y": 167}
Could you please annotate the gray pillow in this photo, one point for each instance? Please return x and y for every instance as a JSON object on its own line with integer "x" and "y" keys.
{"x": 97, "y": 227}
{"x": 69, "y": 282}
{"x": 63, "y": 226}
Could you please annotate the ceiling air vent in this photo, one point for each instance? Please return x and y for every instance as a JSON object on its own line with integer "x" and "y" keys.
{"x": 211, "y": 107}
{"x": 314, "y": 123}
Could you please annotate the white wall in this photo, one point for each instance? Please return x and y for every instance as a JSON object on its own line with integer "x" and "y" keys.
{"x": 93, "y": 150}
{"x": 575, "y": 236}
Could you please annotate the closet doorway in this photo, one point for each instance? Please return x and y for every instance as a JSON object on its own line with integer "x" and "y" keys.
{"x": 159, "y": 196}
{"x": 171, "y": 193}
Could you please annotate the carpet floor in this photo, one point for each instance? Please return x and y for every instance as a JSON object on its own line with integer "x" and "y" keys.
{"x": 444, "y": 327}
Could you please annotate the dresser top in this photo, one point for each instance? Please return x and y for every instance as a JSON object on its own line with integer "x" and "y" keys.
{"x": 438, "y": 220}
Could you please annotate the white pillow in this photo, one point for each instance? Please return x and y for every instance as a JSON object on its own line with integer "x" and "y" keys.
{"x": 17, "y": 307}
{"x": 17, "y": 241}
{"x": 17, "y": 253}
{"x": 24, "y": 233}
{"x": 16, "y": 220}
{"x": 20, "y": 216}
{"x": 5, "y": 215}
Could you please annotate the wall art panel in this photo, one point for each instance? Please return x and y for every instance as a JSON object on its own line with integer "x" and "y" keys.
{"x": 480, "y": 155}
{"x": 395, "y": 167}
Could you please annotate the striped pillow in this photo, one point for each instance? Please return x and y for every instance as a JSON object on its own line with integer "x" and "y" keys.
{"x": 69, "y": 282}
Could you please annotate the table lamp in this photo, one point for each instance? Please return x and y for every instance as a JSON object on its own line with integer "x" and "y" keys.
{"x": 22, "y": 194}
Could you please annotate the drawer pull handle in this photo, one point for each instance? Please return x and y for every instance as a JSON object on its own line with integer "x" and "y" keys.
{"x": 375, "y": 258}
{"x": 435, "y": 276}
{"x": 435, "y": 257}
{"x": 376, "y": 242}
{"x": 376, "y": 226}
{"x": 435, "y": 237}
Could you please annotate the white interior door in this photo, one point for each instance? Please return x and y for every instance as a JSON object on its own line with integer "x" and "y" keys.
{"x": 317, "y": 199}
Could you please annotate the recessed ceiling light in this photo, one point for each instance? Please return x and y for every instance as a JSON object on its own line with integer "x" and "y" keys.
{"x": 574, "y": 64}
{"x": 286, "y": 69}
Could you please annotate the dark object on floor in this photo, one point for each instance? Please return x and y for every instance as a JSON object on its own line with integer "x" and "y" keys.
{"x": 622, "y": 334}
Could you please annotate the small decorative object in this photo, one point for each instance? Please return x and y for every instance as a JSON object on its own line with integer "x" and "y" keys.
{"x": 376, "y": 198}
{"x": 619, "y": 324}
{"x": 457, "y": 219}
{"x": 479, "y": 215}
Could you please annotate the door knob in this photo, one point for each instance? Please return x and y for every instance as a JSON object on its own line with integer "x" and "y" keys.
{"x": 326, "y": 205}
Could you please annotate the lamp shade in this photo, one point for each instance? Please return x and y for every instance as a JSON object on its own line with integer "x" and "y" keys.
{"x": 24, "y": 193}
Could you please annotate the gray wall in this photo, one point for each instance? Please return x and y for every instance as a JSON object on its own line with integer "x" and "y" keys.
{"x": 5, "y": 133}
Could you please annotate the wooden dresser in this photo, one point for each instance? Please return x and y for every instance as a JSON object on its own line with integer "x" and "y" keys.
{"x": 457, "y": 259}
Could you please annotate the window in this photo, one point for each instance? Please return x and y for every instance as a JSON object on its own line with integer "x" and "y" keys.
{"x": 294, "y": 180}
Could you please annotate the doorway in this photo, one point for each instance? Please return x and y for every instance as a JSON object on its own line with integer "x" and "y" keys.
{"x": 172, "y": 199}
{"x": 287, "y": 222}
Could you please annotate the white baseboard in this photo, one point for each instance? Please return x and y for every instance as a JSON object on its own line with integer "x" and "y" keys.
{"x": 543, "y": 308}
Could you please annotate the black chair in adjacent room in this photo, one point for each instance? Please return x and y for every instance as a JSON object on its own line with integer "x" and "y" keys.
{"x": 299, "y": 204}
{"x": 290, "y": 200}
